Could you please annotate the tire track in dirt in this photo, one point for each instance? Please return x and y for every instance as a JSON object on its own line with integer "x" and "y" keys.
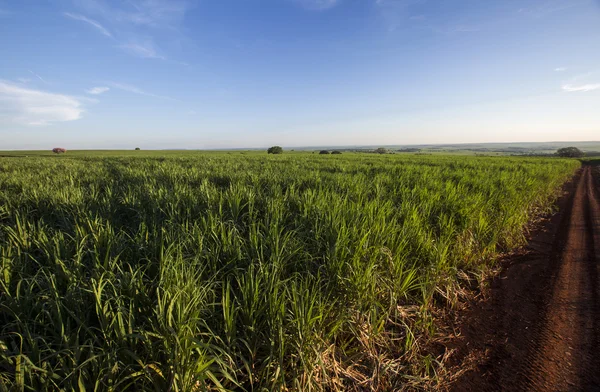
{"x": 539, "y": 329}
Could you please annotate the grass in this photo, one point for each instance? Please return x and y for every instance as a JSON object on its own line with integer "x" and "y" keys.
{"x": 229, "y": 271}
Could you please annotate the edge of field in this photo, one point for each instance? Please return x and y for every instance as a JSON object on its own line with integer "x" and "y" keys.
{"x": 450, "y": 353}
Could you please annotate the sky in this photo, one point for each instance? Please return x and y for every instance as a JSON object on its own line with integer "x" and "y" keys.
{"x": 200, "y": 74}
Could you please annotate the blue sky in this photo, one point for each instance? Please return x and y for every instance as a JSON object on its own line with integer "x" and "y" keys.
{"x": 254, "y": 73}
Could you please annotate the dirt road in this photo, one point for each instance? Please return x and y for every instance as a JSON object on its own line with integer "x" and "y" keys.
{"x": 539, "y": 327}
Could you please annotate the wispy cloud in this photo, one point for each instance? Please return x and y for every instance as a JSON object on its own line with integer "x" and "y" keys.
{"x": 448, "y": 30}
{"x": 152, "y": 13}
{"x": 89, "y": 21}
{"x": 396, "y": 14}
{"x": 155, "y": 13}
{"x": 581, "y": 88}
{"x": 463, "y": 29}
{"x": 141, "y": 48}
{"x": 318, "y": 5}
{"x": 24, "y": 80}
{"x": 560, "y": 69}
{"x": 136, "y": 90}
{"x": 144, "y": 50}
{"x": 33, "y": 107}
{"x": 97, "y": 90}
{"x": 582, "y": 83}
{"x": 133, "y": 23}
{"x": 37, "y": 76}
{"x": 546, "y": 7}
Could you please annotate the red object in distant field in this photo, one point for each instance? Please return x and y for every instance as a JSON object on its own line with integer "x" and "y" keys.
{"x": 59, "y": 150}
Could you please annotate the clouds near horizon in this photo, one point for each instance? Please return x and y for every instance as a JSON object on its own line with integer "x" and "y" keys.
{"x": 28, "y": 106}
{"x": 581, "y": 88}
{"x": 582, "y": 83}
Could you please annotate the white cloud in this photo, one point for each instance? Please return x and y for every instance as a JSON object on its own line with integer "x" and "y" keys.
{"x": 33, "y": 107}
{"x": 144, "y": 50}
{"x": 24, "y": 80}
{"x": 318, "y": 5}
{"x": 582, "y": 83}
{"x": 136, "y": 90}
{"x": 560, "y": 69}
{"x": 97, "y": 90}
{"x": 82, "y": 18}
{"x": 581, "y": 88}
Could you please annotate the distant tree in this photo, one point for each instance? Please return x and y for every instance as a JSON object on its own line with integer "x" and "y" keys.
{"x": 275, "y": 150}
{"x": 381, "y": 150}
{"x": 59, "y": 150}
{"x": 570, "y": 152}
{"x": 137, "y": 149}
{"x": 323, "y": 152}
{"x": 336, "y": 152}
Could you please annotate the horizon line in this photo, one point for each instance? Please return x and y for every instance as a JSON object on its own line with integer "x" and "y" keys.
{"x": 359, "y": 146}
